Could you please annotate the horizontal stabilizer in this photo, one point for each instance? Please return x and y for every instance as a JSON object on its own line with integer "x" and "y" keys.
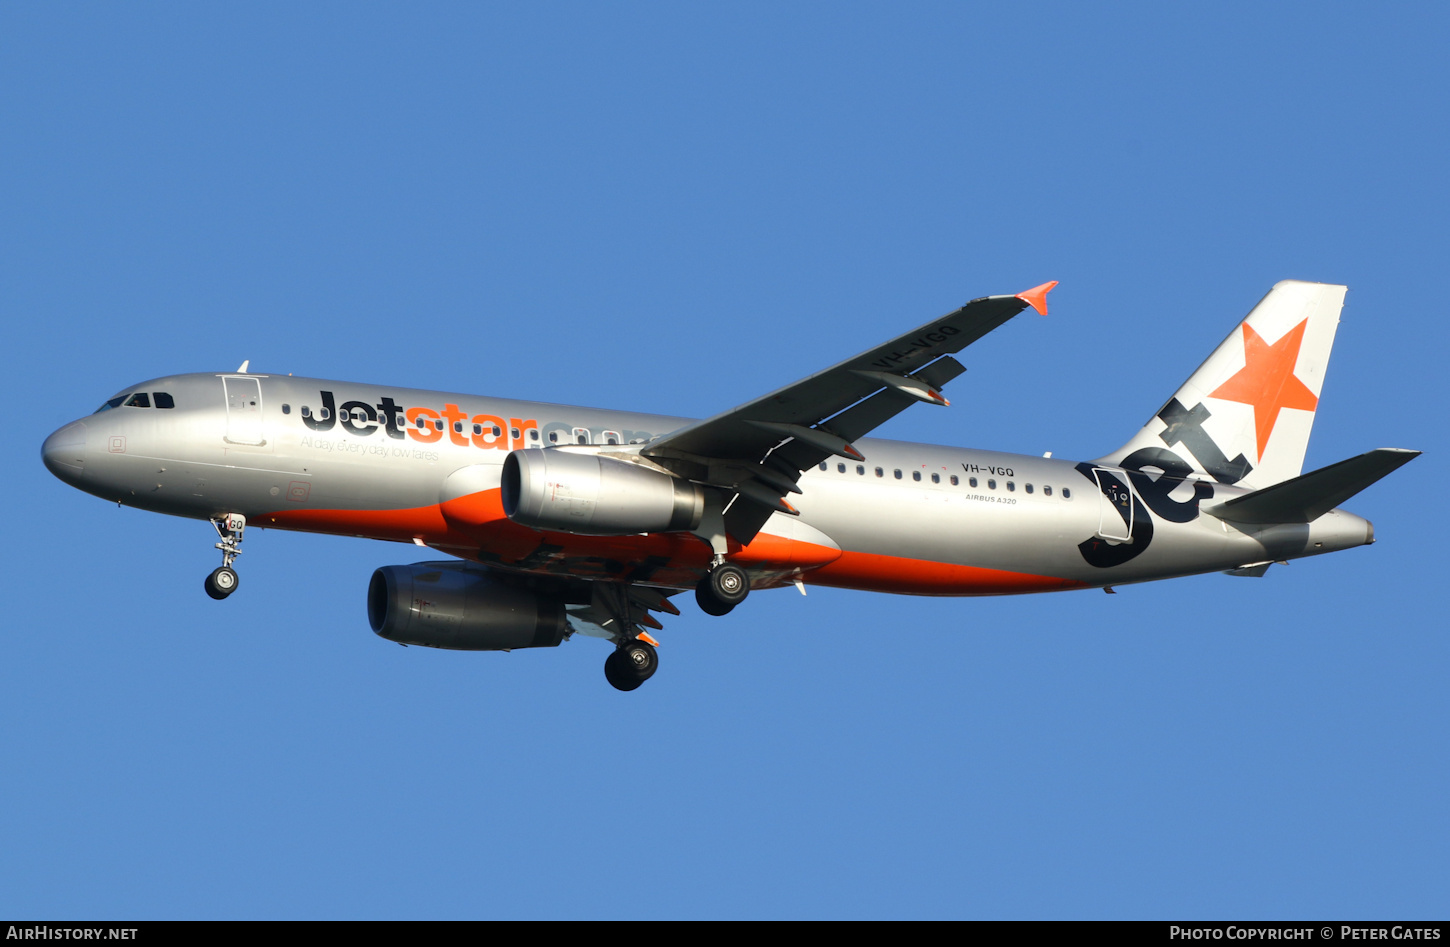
{"x": 1306, "y": 498}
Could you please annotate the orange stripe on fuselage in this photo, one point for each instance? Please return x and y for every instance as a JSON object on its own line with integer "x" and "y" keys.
{"x": 766, "y": 551}
{"x": 401, "y": 525}
{"x": 475, "y": 527}
{"x": 876, "y": 573}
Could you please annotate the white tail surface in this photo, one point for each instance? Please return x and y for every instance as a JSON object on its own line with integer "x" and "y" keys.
{"x": 1245, "y": 416}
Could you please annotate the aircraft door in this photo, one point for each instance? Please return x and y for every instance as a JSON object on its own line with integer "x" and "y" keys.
{"x": 244, "y": 411}
{"x": 1115, "y": 505}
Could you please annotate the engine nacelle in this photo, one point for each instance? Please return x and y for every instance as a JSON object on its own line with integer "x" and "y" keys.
{"x": 449, "y": 605}
{"x": 574, "y": 492}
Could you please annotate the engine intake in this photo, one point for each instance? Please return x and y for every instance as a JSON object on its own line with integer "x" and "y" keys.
{"x": 573, "y": 492}
{"x": 450, "y": 605}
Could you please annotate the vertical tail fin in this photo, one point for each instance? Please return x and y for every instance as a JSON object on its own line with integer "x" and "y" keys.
{"x": 1245, "y": 416}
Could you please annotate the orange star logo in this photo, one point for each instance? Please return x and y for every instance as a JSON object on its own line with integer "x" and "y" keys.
{"x": 1267, "y": 381}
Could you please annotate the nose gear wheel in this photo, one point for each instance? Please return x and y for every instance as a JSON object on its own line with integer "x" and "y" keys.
{"x": 222, "y": 582}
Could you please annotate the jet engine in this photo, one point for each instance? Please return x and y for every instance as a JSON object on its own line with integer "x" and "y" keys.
{"x": 454, "y": 606}
{"x": 585, "y": 493}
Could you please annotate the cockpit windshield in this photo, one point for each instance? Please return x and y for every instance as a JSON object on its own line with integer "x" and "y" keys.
{"x": 138, "y": 399}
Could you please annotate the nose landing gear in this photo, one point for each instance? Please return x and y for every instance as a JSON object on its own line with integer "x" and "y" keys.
{"x": 224, "y": 580}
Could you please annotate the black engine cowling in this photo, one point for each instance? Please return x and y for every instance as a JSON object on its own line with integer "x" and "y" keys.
{"x": 451, "y": 605}
{"x": 574, "y": 492}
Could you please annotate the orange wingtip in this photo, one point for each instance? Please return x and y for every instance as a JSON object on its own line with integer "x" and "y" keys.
{"x": 647, "y": 638}
{"x": 1036, "y": 297}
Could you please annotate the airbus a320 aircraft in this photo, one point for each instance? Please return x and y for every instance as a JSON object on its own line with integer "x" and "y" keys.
{"x": 572, "y": 520}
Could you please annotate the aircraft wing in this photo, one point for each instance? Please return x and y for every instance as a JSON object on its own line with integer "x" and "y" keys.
{"x": 758, "y": 450}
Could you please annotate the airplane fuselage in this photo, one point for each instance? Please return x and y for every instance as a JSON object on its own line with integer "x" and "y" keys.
{"x": 424, "y": 467}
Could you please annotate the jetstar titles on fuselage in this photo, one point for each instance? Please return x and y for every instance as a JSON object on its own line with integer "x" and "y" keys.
{"x": 428, "y": 425}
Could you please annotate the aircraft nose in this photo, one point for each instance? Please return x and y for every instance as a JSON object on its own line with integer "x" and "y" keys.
{"x": 64, "y": 452}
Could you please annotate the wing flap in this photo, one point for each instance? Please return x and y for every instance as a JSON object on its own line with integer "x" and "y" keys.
{"x": 865, "y": 416}
{"x": 616, "y": 610}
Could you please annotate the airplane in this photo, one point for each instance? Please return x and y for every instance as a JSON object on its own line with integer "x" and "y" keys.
{"x": 564, "y": 520}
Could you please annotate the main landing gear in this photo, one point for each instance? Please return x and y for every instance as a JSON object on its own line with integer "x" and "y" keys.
{"x": 631, "y": 664}
{"x": 722, "y": 588}
{"x": 634, "y": 661}
{"x": 223, "y": 581}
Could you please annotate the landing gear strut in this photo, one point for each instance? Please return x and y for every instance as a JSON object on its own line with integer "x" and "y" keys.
{"x": 722, "y": 588}
{"x": 223, "y": 581}
{"x": 631, "y": 664}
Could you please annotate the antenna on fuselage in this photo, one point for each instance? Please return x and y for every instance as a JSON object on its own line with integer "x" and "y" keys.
{"x": 243, "y": 369}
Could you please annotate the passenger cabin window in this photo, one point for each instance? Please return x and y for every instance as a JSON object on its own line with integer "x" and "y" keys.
{"x": 860, "y": 470}
{"x": 823, "y": 465}
{"x": 164, "y": 400}
{"x": 1066, "y": 493}
{"x": 533, "y": 433}
{"x": 306, "y": 411}
{"x": 1011, "y": 485}
{"x": 880, "y": 472}
{"x": 1029, "y": 488}
{"x": 840, "y": 468}
{"x": 139, "y": 400}
{"x": 514, "y": 433}
{"x": 286, "y": 408}
{"x": 1047, "y": 491}
{"x": 916, "y": 475}
{"x": 438, "y": 425}
{"x": 991, "y": 484}
{"x": 936, "y": 478}
{"x": 458, "y": 427}
{"x": 954, "y": 480}
{"x": 553, "y": 437}
{"x": 897, "y": 473}
{"x": 971, "y": 481}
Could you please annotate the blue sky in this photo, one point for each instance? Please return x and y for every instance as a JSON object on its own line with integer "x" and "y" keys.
{"x": 674, "y": 208}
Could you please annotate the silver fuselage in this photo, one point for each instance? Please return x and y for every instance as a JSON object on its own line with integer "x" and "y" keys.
{"x": 423, "y": 466}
